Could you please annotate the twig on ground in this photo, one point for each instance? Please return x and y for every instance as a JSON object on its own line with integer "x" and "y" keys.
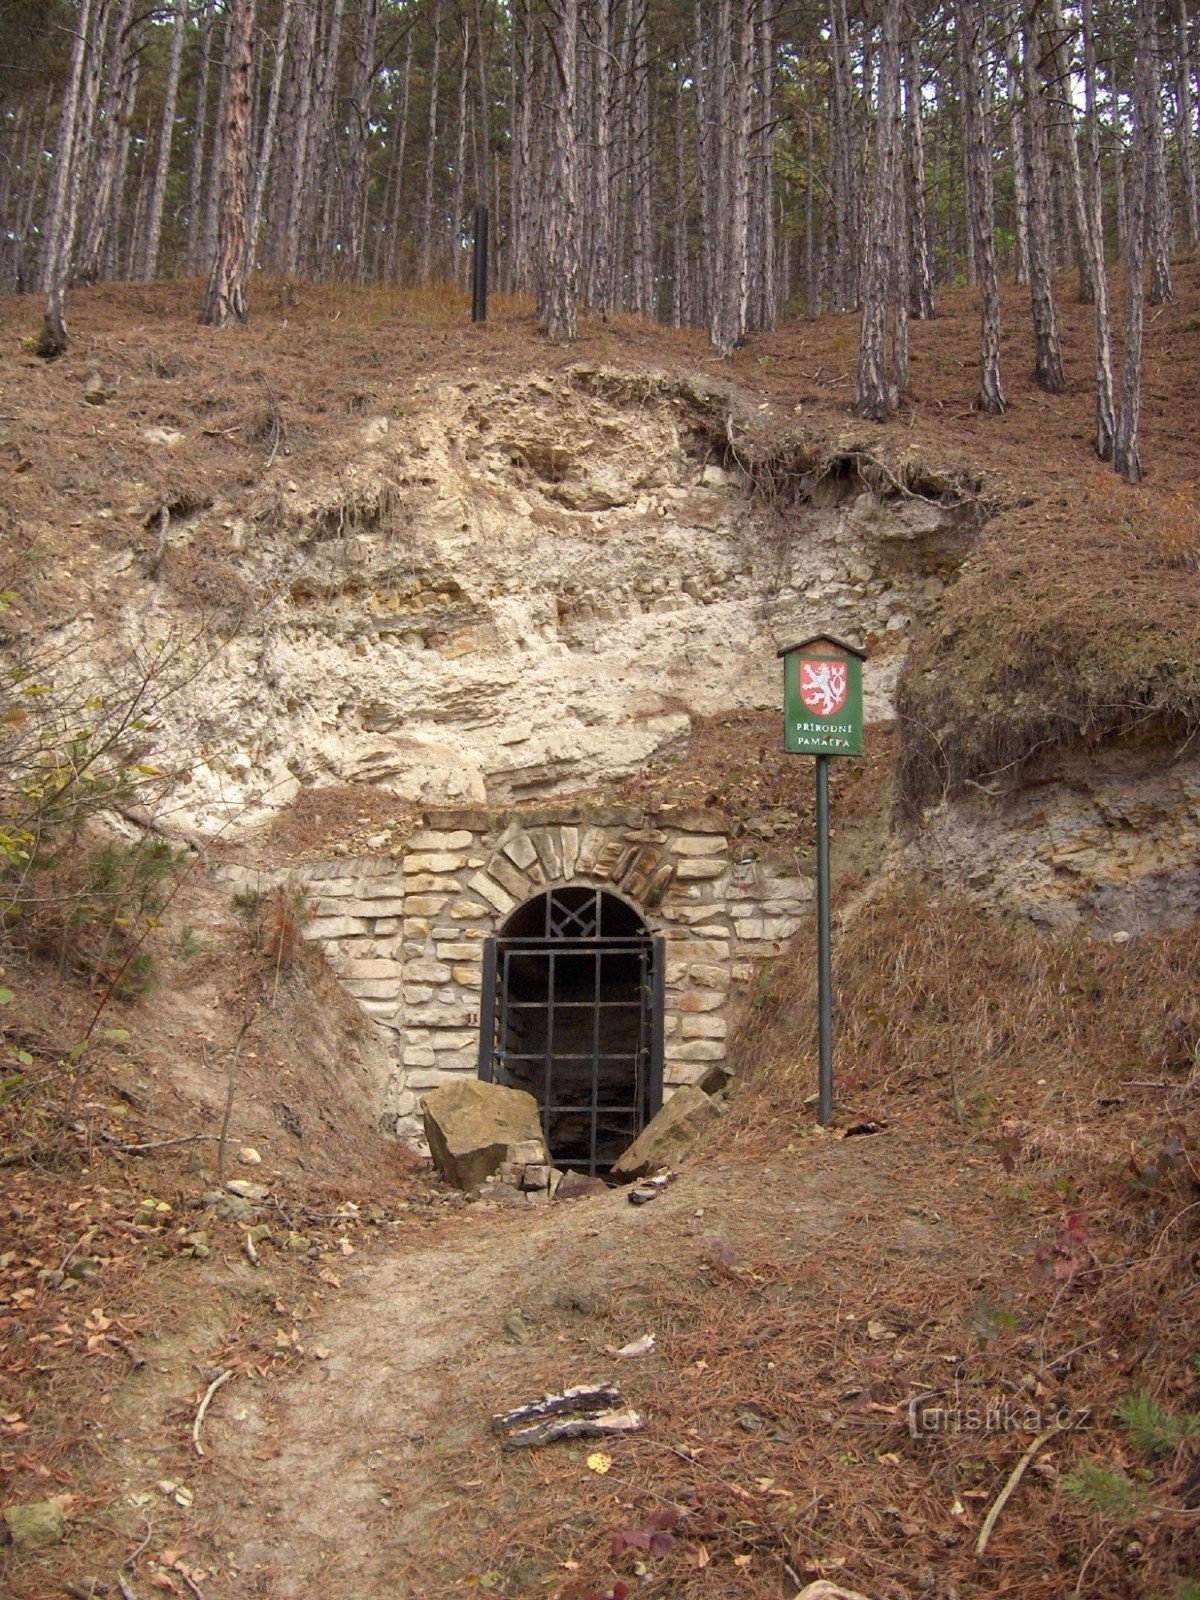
{"x": 222, "y": 1377}
{"x": 138, "y": 1361}
{"x": 1013, "y": 1479}
{"x": 131, "y": 1559}
{"x": 157, "y": 1144}
{"x": 123, "y": 1584}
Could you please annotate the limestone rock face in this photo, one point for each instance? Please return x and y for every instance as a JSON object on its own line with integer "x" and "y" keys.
{"x": 44, "y": 1522}
{"x": 478, "y": 606}
{"x": 1107, "y": 840}
{"x": 473, "y": 1128}
{"x": 666, "y": 1136}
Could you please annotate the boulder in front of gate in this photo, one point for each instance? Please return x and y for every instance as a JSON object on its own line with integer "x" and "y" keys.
{"x": 668, "y": 1134}
{"x": 473, "y": 1128}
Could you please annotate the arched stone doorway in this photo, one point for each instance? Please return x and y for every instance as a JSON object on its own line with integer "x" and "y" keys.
{"x": 572, "y": 1011}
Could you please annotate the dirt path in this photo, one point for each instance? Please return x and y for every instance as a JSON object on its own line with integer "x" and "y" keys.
{"x": 382, "y": 1448}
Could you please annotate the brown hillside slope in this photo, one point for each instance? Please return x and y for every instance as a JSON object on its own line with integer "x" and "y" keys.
{"x": 1022, "y": 1235}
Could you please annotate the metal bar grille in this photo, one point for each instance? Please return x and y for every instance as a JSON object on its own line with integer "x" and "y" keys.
{"x": 573, "y": 1014}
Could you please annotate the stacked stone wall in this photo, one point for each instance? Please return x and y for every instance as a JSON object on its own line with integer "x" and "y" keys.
{"x": 405, "y": 934}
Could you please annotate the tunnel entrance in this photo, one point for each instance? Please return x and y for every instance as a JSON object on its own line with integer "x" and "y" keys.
{"x": 572, "y": 1011}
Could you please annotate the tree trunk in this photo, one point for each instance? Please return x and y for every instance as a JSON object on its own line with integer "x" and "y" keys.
{"x": 431, "y": 147}
{"x": 324, "y": 182}
{"x": 226, "y": 295}
{"x": 300, "y": 130}
{"x": 87, "y": 56}
{"x": 1158, "y": 212}
{"x": 1048, "y": 367}
{"x": 216, "y": 161}
{"x": 148, "y": 262}
{"x": 458, "y": 258}
{"x": 1145, "y": 110}
{"x": 921, "y": 272}
{"x": 731, "y": 277}
{"x": 873, "y": 390}
{"x": 560, "y": 230}
{"x": 266, "y": 146}
{"x": 1185, "y": 123}
{"x": 977, "y": 124}
{"x": 1069, "y": 145}
{"x": 843, "y": 284}
{"x": 599, "y": 284}
{"x": 195, "y": 222}
{"x": 401, "y": 139}
{"x": 1105, "y": 416}
{"x": 1016, "y": 140}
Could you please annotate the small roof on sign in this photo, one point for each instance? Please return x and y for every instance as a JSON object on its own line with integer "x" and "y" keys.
{"x": 822, "y": 638}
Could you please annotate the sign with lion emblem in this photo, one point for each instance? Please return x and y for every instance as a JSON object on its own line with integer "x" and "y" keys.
{"x": 823, "y": 698}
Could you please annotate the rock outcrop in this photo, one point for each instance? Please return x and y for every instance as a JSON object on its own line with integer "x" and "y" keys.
{"x": 475, "y": 1128}
{"x": 668, "y": 1135}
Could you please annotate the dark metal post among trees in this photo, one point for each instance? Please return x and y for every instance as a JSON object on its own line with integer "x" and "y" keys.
{"x": 823, "y": 716}
{"x": 479, "y": 267}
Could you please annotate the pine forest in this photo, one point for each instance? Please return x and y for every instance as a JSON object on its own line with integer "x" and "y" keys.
{"x": 718, "y": 164}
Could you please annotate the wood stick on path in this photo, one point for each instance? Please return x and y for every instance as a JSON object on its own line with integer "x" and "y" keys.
{"x": 1014, "y": 1478}
{"x": 221, "y": 1377}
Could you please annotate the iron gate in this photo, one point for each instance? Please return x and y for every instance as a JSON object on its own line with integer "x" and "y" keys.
{"x": 571, "y": 1010}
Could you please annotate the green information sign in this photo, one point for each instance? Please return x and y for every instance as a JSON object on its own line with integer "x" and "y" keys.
{"x": 822, "y": 693}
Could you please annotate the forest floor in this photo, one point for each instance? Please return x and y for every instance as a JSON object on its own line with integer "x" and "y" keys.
{"x": 1018, "y": 1245}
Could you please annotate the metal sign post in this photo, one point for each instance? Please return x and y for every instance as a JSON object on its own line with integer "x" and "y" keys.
{"x": 479, "y": 265}
{"x": 823, "y": 717}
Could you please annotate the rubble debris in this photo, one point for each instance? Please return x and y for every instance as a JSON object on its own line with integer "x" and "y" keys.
{"x": 474, "y": 1128}
{"x": 668, "y": 1134}
{"x": 42, "y": 1522}
{"x": 589, "y": 1411}
{"x": 636, "y": 1347}
{"x": 857, "y": 1128}
{"x": 245, "y": 1190}
{"x": 577, "y": 1186}
{"x": 650, "y": 1188}
{"x": 824, "y": 1590}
